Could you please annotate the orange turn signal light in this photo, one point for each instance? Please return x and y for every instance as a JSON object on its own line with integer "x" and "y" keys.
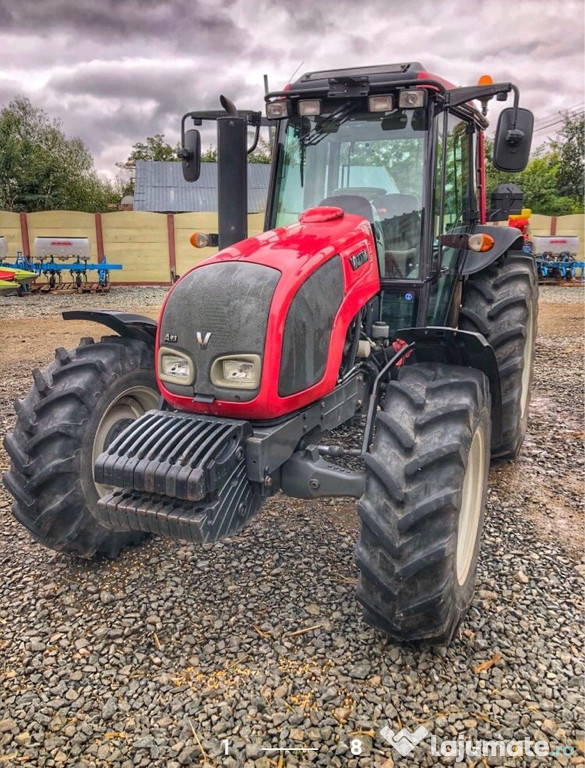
{"x": 485, "y": 80}
{"x": 199, "y": 240}
{"x": 480, "y": 242}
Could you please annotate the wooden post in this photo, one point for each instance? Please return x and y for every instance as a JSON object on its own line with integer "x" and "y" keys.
{"x": 172, "y": 251}
{"x": 24, "y": 235}
{"x": 99, "y": 237}
{"x": 553, "y": 225}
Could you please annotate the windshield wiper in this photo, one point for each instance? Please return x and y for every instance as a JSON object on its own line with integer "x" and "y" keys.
{"x": 318, "y": 133}
{"x": 338, "y": 117}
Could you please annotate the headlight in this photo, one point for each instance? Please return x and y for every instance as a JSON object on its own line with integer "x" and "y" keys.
{"x": 413, "y": 98}
{"x": 175, "y": 367}
{"x": 277, "y": 110}
{"x": 171, "y": 365}
{"x": 236, "y": 371}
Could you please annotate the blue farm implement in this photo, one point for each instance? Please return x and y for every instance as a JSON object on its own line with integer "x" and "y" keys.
{"x": 556, "y": 259}
{"x": 56, "y": 257}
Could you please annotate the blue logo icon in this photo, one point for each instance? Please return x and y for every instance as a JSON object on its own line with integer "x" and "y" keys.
{"x": 408, "y": 296}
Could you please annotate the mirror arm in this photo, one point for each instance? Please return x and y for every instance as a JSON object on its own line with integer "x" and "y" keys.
{"x": 514, "y": 136}
{"x": 255, "y": 142}
{"x": 516, "y": 102}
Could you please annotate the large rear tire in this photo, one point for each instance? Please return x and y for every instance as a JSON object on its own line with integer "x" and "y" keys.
{"x": 501, "y": 302}
{"x": 75, "y": 407}
{"x": 423, "y": 508}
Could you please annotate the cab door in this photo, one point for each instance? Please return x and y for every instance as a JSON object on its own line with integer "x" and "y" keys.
{"x": 455, "y": 207}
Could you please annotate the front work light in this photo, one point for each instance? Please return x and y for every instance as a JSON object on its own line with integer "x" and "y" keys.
{"x": 236, "y": 371}
{"x": 277, "y": 110}
{"x": 175, "y": 367}
{"x": 380, "y": 103}
{"x": 309, "y": 107}
{"x": 411, "y": 99}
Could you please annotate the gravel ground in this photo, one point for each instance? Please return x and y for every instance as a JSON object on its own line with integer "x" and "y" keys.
{"x": 51, "y": 304}
{"x": 154, "y": 659}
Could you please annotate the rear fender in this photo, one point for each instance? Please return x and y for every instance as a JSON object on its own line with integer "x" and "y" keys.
{"x": 505, "y": 239}
{"x": 123, "y": 323}
{"x": 455, "y": 347}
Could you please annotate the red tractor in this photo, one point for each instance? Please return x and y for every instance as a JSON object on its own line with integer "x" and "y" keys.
{"x": 376, "y": 295}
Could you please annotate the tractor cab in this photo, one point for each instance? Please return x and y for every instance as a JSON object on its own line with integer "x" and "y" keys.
{"x": 401, "y": 148}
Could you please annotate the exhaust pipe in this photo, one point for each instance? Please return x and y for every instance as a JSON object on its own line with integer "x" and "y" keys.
{"x": 232, "y": 175}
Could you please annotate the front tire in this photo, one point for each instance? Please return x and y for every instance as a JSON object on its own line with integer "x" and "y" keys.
{"x": 501, "y": 302}
{"x": 75, "y": 408}
{"x": 423, "y": 508}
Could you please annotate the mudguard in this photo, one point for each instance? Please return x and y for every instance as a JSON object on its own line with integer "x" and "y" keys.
{"x": 123, "y": 323}
{"x": 505, "y": 239}
{"x": 450, "y": 345}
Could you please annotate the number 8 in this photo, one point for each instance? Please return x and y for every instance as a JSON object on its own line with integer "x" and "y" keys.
{"x": 356, "y": 747}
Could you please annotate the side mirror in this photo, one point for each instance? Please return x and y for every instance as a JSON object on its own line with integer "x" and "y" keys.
{"x": 190, "y": 154}
{"x": 513, "y": 139}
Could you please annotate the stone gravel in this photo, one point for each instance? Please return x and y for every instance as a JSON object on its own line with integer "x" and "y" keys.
{"x": 51, "y": 304}
{"x": 156, "y": 658}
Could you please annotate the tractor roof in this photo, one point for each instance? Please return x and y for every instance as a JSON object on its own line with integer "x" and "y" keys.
{"x": 372, "y": 77}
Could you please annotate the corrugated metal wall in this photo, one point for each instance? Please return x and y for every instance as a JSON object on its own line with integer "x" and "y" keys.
{"x": 160, "y": 186}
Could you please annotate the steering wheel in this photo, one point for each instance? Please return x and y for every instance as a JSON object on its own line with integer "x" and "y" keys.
{"x": 390, "y": 261}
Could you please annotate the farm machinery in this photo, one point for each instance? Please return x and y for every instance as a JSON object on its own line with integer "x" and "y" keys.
{"x": 391, "y": 306}
{"x": 13, "y": 279}
{"x": 556, "y": 259}
{"x": 555, "y": 256}
{"x": 55, "y": 256}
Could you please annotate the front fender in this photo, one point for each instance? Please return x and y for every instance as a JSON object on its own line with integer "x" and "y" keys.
{"x": 505, "y": 239}
{"x": 450, "y": 345}
{"x": 124, "y": 324}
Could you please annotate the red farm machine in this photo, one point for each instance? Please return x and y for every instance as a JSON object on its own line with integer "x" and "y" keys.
{"x": 377, "y": 295}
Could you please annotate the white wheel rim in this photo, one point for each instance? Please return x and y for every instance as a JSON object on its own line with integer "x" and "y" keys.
{"x": 471, "y": 501}
{"x": 527, "y": 367}
{"x": 130, "y": 404}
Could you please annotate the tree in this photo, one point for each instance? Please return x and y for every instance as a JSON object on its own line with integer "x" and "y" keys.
{"x": 155, "y": 148}
{"x": 209, "y": 155}
{"x": 41, "y": 169}
{"x": 262, "y": 153}
{"x": 540, "y": 181}
{"x": 571, "y": 149}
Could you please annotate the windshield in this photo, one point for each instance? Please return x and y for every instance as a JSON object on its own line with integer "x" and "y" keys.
{"x": 366, "y": 163}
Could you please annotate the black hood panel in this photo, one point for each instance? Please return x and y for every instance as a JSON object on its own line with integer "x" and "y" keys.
{"x": 229, "y": 300}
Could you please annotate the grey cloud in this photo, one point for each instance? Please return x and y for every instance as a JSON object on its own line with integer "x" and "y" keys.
{"x": 108, "y": 103}
{"x": 130, "y": 17}
{"x": 172, "y": 23}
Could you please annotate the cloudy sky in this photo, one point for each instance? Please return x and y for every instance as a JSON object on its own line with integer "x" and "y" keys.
{"x": 116, "y": 71}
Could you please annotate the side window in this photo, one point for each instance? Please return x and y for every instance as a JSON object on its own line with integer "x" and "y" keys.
{"x": 453, "y": 202}
{"x": 457, "y": 178}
